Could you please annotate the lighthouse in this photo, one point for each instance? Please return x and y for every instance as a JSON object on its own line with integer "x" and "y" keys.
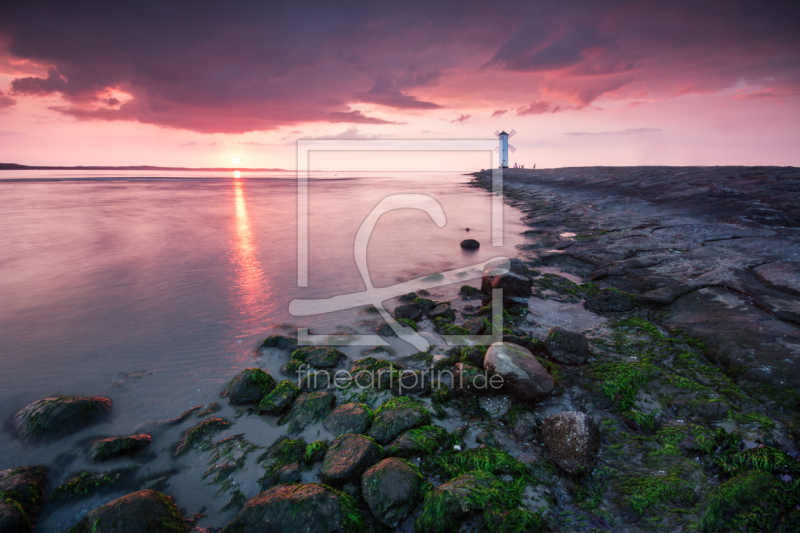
{"x": 503, "y": 149}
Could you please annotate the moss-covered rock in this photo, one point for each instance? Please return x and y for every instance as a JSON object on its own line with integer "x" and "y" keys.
{"x": 733, "y": 498}
{"x": 568, "y": 347}
{"x": 484, "y": 459}
{"x": 279, "y": 400}
{"x": 200, "y": 435}
{"x": 318, "y": 357}
{"x": 53, "y": 417}
{"x": 309, "y": 408}
{"x": 308, "y": 508}
{"x": 470, "y": 379}
{"x": 442, "y": 311}
{"x": 249, "y": 386}
{"x": 396, "y": 416}
{"x": 316, "y": 451}
{"x": 423, "y": 440}
{"x": 349, "y": 418}
{"x": 513, "y": 521}
{"x": 146, "y": 510}
{"x": 391, "y": 489}
{"x": 21, "y": 496}
{"x": 280, "y": 341}
{"x": 610, "y": 301}
{"x": 411, "y": 311}
{"x": 469, "y": 292}
{"x": 348, "y": 457}
{"x": 572, "y": 440}
{"x": 106, "y": 449}
{"x": 282, "y": 462}
{"x": 446, "y": 506}
{"x": 85, "y": 484}
{"x": 473, "y": 355}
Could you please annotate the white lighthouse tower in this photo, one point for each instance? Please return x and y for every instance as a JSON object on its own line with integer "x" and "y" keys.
{"x": 504, "y": 147}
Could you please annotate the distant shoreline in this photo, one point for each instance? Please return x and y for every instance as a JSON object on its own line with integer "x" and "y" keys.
{"x": 15, "y": 166}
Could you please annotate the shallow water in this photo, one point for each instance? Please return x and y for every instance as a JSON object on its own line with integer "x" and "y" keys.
{"x": 155, "y": 292}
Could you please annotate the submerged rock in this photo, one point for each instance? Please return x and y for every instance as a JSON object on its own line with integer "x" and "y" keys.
{"x": 85, "y": 484}
{"x": 608, "y": 301}
{"x": 279, "y": 400}
{"x": 146, "y": 510}
{"x": 397, "y": 415}
{"x": 470, "y": 244}
{"x": 249, "y": 386}
{"x": 419, "y": 441}
{"x": 309, "y": 508}
{"x": 515, "y": 284}
{"x": 348, "y": 457}
{"x": 522, "y": 374}
{"x": 309, "y": 408}
{"x": 572, "y": 440}
{"x": 280, "y": 341}
{"x": 412, "y": 311}
{"x": 468, "y": 292}
{"x": 106, "y": 449}
{"x": 53, "y": 417}
{"x": 567, "y": 347}
{"x": 200, "y": 435}
{"x": 21, "y": 497}
{"x": 391, "y": 490}
{"x": 349, "y": 418}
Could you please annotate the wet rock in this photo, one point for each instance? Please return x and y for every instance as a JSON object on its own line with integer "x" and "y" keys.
{"x": 408, "y": 382}
{"x": 411, "y": 311}
{"x": 348, "y": 457}
{"x": 21, "y": 497}
{"x": 470, "y": 379}
{"x": 734, "y": 496}
{"x": 310, "y": 508}
{"x": 780, "y": 275}
{"x": 309, "y": 408}
{"x": 391, "y": 490}
{"x": 711, "y": 410}
{"x": 468, "y": 291}
{"x": 281, "y": 462}
{"x": 85, "y": 484}
{"x": 522, "y": 374}
{"x": 423, "y": 440}
{"x": 410, "y": 297}
{"x": 474, "y": 355}
{"x": 470, "y": 244}
{"x": 474, "y": 326}
{"x": 442, "y": 310}
{"x": 608, "y": 301}
{"x": 532, "y": 344}
{"x": 280, "y": 341}
{"x": 106, "y": 449}
{"x": 572, "y": 440}
{"x": 385, "y": 330}
{"x": 200, "y": 435}
{"x": 53, "y": 417}
{"x": 316, "y": 451}
{"x": 396, "y": 416}
{"x": 248, "y": 386}
{"x": 318, "y": 357}
{"x": 446, "y": 506}
{"x": 279, "y": 400}
{"x": 425, "y": 304}
{"x": 146, "y": 510}
{"x": 349, "y": 418}
{"x": 567, "y": 347}
{"x": 516, "y": 287}
{"x": 496, "y": 406}
{"x": 514, "y": 520}
{"x": 522, "y": 423}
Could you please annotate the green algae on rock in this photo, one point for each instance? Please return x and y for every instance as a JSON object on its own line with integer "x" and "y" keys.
{"x": 348, "y": 457}
{"x": 397, "y": 415}
{"x": 423, "y": 440}
{"x": 282, "y": 462}
{"x": 311, "y": 508}
{"x": 279, "y": 400}
{"x": 200, "y": 435}
{"x": 85, "y": 484}
{"x": 146, "y": 510}
{"x": 106, "y": 449}
{"x": 391, "y": 489}
{"x": 281, "y": 342}
{"x": 309, "y": 408}
{"x": 249, "y": 386}
{"x": 446, "y": 506}
{"x": 349, "y": 418}
{"x": 21, "y": 496}
{"x": 318, "y": 357}
{"x": 53, "y": 417}
{"x": 316, "y": 451}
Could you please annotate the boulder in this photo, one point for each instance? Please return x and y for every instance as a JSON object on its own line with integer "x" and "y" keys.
{"x": 423, "y": 440}
{"x": 391, "y": 490}
{"x": 474, "y": 355}
{"x": 309, "y": 408}
{"x": 21, "y": 497}
{"x": 475, "y": 325}
{"x": 248, "y": 386}
{"x": 442, "y": 310}
{"x": 309, "y": 508}
{"x": 411, "y": 311}
{"x": 470, "y": 244}
{"x": 319, "y": 357}
{"x": 572, "y": 441}
{"x": 469, "y": 292}
{"x": 396, "y": 416}
{"x": 281, "y": 462}
{"x": 103, "y": 450}
{"x": 12, "y": 517}
{"x": 608, "y": 301}
{"x": 279, "y": 400}
{"x": 516, "y": 285}
{"x": 53, "y": 417}
{"x": 200, "y": 435}
{"x": 280, "y": 341}
{"x": 446, "y": 506}
{"x": 146, "y": 510}
{"x": 522, "y": 374}
{"x": 567, "y": 347}
{"x": 348, "y": 457}
{"x": 85, "y": 484}
{"x": 349, "y": 418}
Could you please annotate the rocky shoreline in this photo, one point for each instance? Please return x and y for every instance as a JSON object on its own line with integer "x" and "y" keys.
{"x": 673, "y": 409}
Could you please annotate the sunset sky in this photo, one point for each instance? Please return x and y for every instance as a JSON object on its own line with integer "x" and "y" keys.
{"x": 583, "y": 83}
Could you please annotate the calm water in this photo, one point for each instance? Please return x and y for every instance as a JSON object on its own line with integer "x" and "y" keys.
{"x": 155, "y": 292}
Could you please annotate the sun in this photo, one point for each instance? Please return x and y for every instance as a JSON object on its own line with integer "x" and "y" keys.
{"x": 235, "y": 160}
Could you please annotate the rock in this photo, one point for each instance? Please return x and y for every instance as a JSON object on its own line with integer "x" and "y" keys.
{"x": 396, "y": 416}
{"x": 734, "y": 496}
{"x": 309, "y": 508}
{"x": 85, "y": 484}
{"x": 349, "y": 418}
{"x": 146, "y": 510}
{"x": 103, "y": 450}
{"x": 248, "y": 386}
{"x": 423, "y": 440}
{"x": 474, "y": 355}
{"x": 200, "y": 435}
{"x": 567, "y": 347}
{"x": 316, "y": 451}
{"x": 281, "y": 462}
{"x": 514, "y": 520}
{"x": 522, "y": 374}
{"x": 470, "y": 379}
{"x": 319, "y": 357}
{"x": 54, "y": 417}
{"x": 391, "y": 490}
{"x": 411, "y": 311}
{"x": 572, "y": 440}
{"x": 410, "y": 297}
{"x": 279, "y": 400}
{"x": 516, "y": 287}
{"x": 443, "y": 311}
{"x": 532, "y": 344}
{"x": 425, "y": 304}
{"x": 470, "y": 244}
{"x": 469, "y": 292}
{"x": 446, "y": 506}
{"x": 348, "y": 457}
{"x": 522, "y": 423}
{"x": 780, "y": 275}
{"x": 280, "y": 341}
{"x": 385, "y": 330}
{"x": 409, "y": 382}
{"x": 712, "y": 410}
{"x": 608, "y": 301}
{"x": 309, "y": 408}
{"x": 475, "y": 325}
{"x": 21, "y": 497}
{"x": 496, "y": 406}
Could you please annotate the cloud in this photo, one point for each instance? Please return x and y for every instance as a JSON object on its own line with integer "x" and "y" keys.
{"x": 500, "y": 112}
{"x": 53, "y": 83}
{"x": 387, "y": 93}
{"x": 462, "y": 119}
{"x": 349, "y": 134}
{"x": 356, "y": 117}
{"x": 190, "y": 143}
{"x": 537, "y": 108}
{"x": 633, "y": 131}
{"x": 6, "y": 101}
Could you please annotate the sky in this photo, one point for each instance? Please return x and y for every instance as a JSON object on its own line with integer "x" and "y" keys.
{"x": 198, "y": 84}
